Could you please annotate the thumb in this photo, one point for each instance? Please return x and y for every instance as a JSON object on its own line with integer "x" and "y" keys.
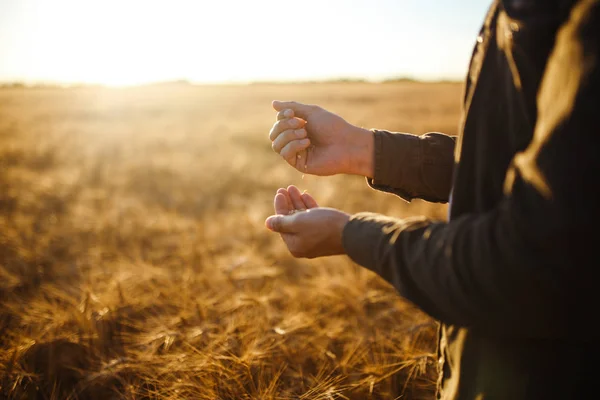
{"x": 280, "y": 223}
{"x": 300, "y": 110}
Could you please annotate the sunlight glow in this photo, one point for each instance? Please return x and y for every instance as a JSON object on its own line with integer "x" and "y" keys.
{"x": 126, "y": 42}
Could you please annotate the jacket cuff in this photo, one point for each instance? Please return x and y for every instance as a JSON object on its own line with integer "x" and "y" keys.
{"x": 412, "y": 166}
{"x": 360, "y": 237}
{"x": 389, "y": 189}
{"x": 396, "y": 154}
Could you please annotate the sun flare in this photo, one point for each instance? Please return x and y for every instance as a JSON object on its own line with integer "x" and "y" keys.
{"x": 121, "y": 43}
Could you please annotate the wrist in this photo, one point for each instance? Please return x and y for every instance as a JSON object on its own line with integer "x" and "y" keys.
{"x": 361, "y": 152}
{"x": 340, "y": 223}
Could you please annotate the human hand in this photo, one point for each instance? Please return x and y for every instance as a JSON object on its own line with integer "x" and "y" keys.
{"x": 316, "y": 141}
{"x": 308, "y": 230}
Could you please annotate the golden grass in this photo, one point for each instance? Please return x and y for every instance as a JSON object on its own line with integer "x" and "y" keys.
{"x": 134, "y": 262}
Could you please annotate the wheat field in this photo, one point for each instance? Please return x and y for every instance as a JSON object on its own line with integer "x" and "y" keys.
{"x": 134, "y": 262}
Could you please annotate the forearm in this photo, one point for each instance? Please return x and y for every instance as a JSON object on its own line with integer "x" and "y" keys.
{"x": 491, "y": 272}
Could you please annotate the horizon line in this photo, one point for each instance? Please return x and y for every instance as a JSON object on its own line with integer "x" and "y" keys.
{"x": 58, "y": 84}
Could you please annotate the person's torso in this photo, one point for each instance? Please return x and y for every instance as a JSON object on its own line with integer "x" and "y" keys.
{"x": 500, "y": 110}
{"x": 500, "y": 113}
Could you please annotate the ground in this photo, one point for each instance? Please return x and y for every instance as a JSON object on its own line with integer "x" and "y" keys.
{"x": 134, "y": 262}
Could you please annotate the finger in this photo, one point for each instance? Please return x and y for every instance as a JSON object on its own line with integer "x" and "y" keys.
{"x": 283, "y": 114}
{"x": 296, "y": 197}
{"x": 288, "y": 199}
{"x": 291, "y": 149}
{"x": 281, "y": 204}
{"x": 300, "y": 110}
{"x": 280, "y": 223}
{"x": 286, "y": 137}
{"x": 285, "y": 124}
{"x": 309, "y": 201}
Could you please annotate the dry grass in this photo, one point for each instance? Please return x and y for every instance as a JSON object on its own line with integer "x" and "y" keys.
{"x": 134, "y": 262}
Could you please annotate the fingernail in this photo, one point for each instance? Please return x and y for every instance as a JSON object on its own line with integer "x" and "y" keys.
{"x": 288, "y": 113}
{"x": 304, "y": 141}
{"x": 293, "y": 123}
{"x": 300, "y": 133}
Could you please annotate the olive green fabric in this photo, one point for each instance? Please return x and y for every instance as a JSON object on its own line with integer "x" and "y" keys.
{"x": 512, "y": 275}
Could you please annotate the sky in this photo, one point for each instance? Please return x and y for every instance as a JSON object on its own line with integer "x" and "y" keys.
{"x": 129, "y": 42}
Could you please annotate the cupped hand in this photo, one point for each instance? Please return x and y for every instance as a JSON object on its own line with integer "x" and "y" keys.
{"x": 308, "y": 230}
{"x": 316, "y": 141}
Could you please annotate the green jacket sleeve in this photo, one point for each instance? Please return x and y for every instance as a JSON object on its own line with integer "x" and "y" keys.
{"x": 528, "y": 267}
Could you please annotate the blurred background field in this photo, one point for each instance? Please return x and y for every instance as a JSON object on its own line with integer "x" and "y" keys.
{"x": 134, "y": 262}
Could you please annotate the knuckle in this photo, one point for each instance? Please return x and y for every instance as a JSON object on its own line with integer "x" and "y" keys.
{"x": 296, "y": 145}
{"x": 283, "y": 114}
{"x": 290, "y": 149}
{"x": 277, "y": 144}
{"x": 278, "y": 127}
{"x": 291, "y": 123}
{"x": 276, "y": 223}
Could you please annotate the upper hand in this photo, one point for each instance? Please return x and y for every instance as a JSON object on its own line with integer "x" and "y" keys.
{"x": 308, "y": 230}
{"x": 318, "y": 142}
